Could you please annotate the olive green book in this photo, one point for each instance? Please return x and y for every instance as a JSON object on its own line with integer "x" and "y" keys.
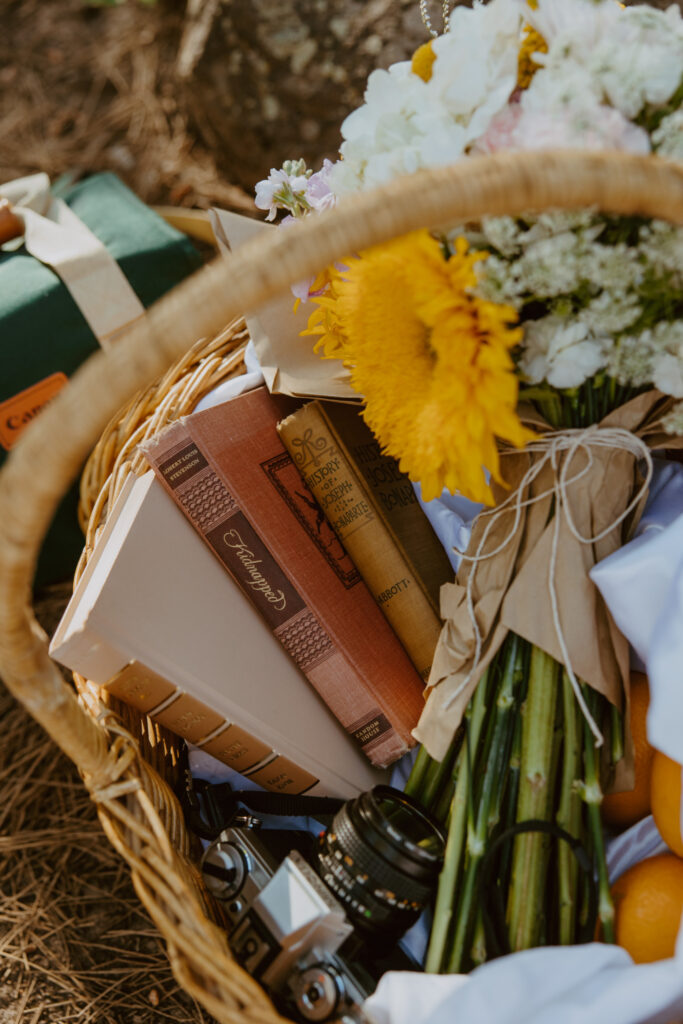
{"x": 372, "y": 507}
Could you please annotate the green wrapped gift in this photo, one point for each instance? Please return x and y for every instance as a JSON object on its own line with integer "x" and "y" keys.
{"x": 49, "y": 327}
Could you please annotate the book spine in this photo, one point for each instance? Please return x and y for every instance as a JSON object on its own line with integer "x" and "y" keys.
{"x": 349, "y": 506}
{"x": 214, "y": 512}
{"x": 192, "y": 720}
{"x": 394, "y": 500}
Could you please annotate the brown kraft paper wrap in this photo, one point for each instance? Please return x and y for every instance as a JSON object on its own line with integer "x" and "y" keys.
{"x": 511, "y": 590}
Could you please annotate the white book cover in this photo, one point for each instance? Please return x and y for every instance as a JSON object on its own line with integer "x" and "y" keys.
{"x": 153, "y": 593}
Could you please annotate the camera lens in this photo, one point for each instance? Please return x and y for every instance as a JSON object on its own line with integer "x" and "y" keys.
{"x": 381, "y": 858}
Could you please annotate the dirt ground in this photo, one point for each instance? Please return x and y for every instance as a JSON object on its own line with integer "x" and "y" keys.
{"x": 190, "y": 103}
{"x": 187, "y": 109}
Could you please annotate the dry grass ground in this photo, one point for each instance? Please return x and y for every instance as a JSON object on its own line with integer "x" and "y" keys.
{"x": 75, "y": 944}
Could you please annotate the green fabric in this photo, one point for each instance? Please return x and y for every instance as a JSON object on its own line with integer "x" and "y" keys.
{"x": 42, "y": 331}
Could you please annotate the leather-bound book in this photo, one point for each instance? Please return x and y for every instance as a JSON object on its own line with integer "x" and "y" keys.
{"x": 156, "y": 621}
{"x": 371, "y": 506}
{"x": 229, "y": 471}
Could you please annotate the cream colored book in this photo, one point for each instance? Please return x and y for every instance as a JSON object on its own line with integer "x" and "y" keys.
{"x": 157, "y": 621}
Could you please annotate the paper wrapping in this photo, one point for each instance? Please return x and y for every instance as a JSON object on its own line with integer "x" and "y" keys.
{"x": 511, "y": 590}
{"x": 288, "y": 362}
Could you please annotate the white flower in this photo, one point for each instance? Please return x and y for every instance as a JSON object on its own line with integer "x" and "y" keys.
{"x": 661, "y": 245}
{"x": 611, "y": 312}
{"x": 279, "y": 190}
{"x": 673, "y": 421}
{"x": 668, "y": 374}
{"x": 583, "y": 21}
{"x": 653, "y": 357}
{"x": 667, "y": 363}
{"x": 406, "y": 123}
{"x": 396, "y": 131}
{"x": 476, "y": 63}
{"x": 562, "y": 352}
{"x": 668, "y": 137}
{"x": 628, "y": 57}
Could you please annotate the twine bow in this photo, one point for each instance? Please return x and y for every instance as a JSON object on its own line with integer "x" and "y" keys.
{"x": 550, "y": 447}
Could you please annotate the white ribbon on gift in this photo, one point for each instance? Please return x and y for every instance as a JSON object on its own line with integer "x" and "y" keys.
{"x": 54, "y": 235}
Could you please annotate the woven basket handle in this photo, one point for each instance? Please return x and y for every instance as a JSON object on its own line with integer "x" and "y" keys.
{"x": 51, "y": 450}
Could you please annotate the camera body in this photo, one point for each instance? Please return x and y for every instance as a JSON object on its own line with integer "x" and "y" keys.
{"x": 287, "y": 929}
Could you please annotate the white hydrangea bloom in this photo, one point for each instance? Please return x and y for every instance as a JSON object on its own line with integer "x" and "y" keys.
{"x": 627, "y": 57}
{"x": 406, "y": 123}
{"x": 475, "y": 70}
{"x": 562, "y": 352}
{"x": 396, "y": 131}
{"x": 668, "y": 137}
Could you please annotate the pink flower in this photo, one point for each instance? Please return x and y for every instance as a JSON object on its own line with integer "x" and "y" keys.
{"x": 318, "y": 192}
{"x": 589, "y": 126}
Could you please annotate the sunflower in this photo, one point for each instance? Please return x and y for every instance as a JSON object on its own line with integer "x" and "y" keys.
{"x": 431, "y": 358}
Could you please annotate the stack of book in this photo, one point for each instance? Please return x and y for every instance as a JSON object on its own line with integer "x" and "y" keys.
{"x": 315, "y": 681}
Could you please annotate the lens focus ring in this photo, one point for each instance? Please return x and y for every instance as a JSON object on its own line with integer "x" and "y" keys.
{"x": 344, "y": 840}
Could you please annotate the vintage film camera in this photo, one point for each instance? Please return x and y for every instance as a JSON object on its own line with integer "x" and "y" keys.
{"x": 318, "y": 921}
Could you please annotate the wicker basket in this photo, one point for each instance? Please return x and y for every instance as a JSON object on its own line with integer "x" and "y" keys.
{"x": 136, "y": 806}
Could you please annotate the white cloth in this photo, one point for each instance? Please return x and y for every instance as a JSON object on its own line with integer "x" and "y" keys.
{"x": 452, "y": 517}
{"x": 54, "y": 235}
{"x": 592, "y": 984}
{"x": 642, "y": 585}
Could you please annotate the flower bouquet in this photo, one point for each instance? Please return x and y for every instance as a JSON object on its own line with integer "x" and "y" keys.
{"x": 530, "y": 364}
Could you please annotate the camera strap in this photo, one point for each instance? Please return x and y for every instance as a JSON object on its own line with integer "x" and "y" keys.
{"x": 211, "y": 807}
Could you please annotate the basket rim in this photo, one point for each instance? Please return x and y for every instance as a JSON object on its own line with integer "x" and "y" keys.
{"x": 38, "y": 471}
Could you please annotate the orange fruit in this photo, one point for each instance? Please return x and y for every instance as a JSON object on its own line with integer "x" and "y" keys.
{"x": 648, "y": 904}
{"x": 665, "y": 796}
{"x": 624, "y": 809}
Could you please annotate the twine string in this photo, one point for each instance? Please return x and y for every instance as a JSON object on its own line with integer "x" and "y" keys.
{"x": 550, "y": 448}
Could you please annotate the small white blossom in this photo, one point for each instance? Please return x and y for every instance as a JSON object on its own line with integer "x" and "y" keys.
{"x": 668, "y": 137}
{"x": 661, "y": 246}
{"x": 280, "y": 190}
{"x": 562, "y": 352}
{"x": 673, "y": 421}
{"x": 667, "y": 374}
{"x": 610, "y": 313}
{"x": 653, "y": 357}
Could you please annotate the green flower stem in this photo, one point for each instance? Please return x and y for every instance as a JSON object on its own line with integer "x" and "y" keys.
{"x": 445, "y": 897}
{"x": 592, "y": 794}
{"x": 478, "y": 951}
{"x": 531, "y": 848}
{"x": 442, "y": 809}
{"x": 418, "y": 774}
{"x": 495, "y": 761}
{"x": 616, "y": 734}
{"x": 440, "y": 778}
{"x": 569, "y": 814}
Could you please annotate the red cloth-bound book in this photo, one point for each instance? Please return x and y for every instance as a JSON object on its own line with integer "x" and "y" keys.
{"x": 230, "y": 473}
